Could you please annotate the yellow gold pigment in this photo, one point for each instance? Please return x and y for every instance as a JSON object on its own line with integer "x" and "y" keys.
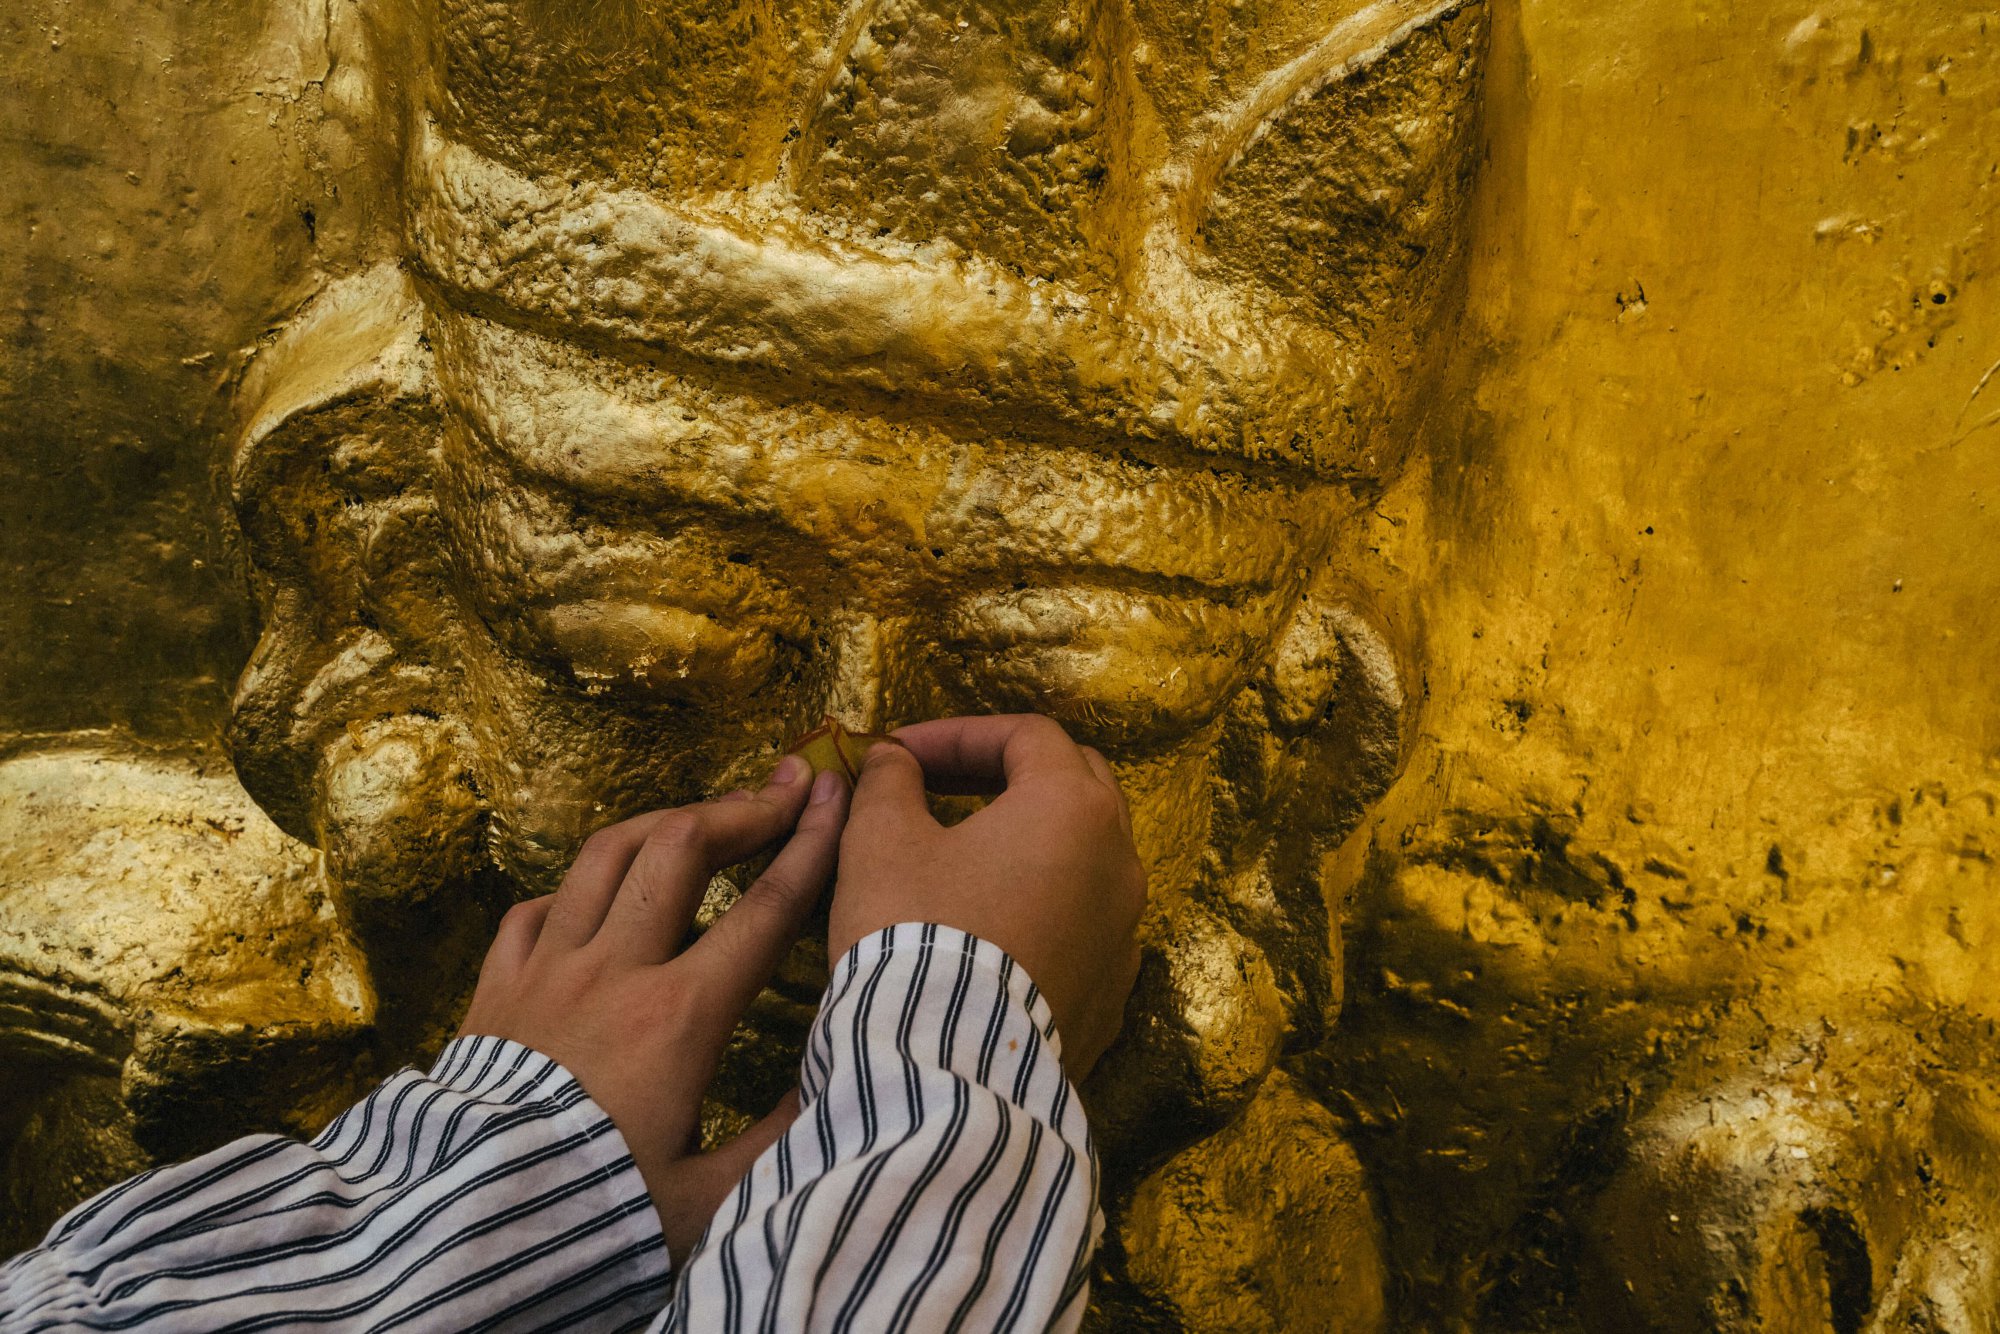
{"x": 1507, "y": 485}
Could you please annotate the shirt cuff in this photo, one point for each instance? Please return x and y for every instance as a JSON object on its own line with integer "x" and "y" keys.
{"x": 986, "y": 958}
{"x": 493, "y": 1192}
{"x": 503, "y": 1073}
{"x": 502, "y": 1070}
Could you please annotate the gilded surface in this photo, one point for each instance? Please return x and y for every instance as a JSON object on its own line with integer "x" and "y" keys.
{"x": 1506, "y": 484}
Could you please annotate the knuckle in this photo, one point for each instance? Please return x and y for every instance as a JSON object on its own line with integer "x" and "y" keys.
{"x": 886, "y": 757}
{"x": 522, "y": 922}
{"x": 776, "y": 889}
{"x": 565, "y": 917}
{"x": 877, "y": 766}
{"x": 1097, "y": 802}
{"x": 577, "y": 976}
{"x": 599, "y": 848}
{"x": 733, "y": 949}
{"x": 763, "y": 912}
{"x": 678, "y": 832}
{"x": 1047, "y": 726}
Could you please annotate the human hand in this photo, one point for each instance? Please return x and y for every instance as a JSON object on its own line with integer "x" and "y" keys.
{"x": 592, "y": 976}
{"x": 1046, "y": 871}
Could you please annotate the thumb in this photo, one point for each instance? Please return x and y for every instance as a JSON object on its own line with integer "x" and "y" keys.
{"x": 735, "y": 1158}
{"x": 703, "y": 1183}
{"x": 889, "y": 790}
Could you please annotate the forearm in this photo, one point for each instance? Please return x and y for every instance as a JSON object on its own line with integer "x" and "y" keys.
{"x": 940, "y": 1172}
{"x": 490, "y": 1191}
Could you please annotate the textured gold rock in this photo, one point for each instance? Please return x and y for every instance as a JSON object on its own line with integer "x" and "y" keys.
{"x": 611, "y": 390}
{"x": 664, "y": 445}
{"x": 164, "y": 936}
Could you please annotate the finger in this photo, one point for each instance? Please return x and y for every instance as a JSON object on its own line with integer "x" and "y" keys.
{"x": 737, "y": 956}
{"x": 659, "y": 895}
{"x": 990, "y": 753}
{"x": 702, "y": 1183}
{"x": 734, "y": 1159}
{"x": 1102, "y": 768}
{"x": 888, "y": 794}
{"x": 593, "y": 878}
{"x": 591, "y": 884}
{"x": 518, "y": 932}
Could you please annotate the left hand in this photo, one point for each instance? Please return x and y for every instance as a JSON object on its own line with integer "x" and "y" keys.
{"x": 593, "y": 976}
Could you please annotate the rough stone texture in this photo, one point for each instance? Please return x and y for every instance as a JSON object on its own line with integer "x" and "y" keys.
{"x": 185, "y": 980}
{"x": 1699, "y": 822}
{"x": 1278, "y": 1211}
{"x": 1592, "y": 423}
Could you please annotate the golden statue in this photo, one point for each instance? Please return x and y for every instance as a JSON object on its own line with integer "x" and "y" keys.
{"x": 666, "y": 377}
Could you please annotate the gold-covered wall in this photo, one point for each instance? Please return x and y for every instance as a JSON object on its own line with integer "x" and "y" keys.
{"x": 1670, "y": 957}
{"x": 159, "y": 165}
{"x": 1657, "y": 574}
{"x": 178, "y": 180}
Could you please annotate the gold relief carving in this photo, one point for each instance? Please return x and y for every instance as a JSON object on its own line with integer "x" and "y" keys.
{"x": 1292, "y": 396}
{"x": 1276, "y": 1214}
{"x": 985, "y": 395}
{"x": 172, "y": 974}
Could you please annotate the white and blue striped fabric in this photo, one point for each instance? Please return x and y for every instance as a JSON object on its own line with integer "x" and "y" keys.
{"x": 939, "y": 1177}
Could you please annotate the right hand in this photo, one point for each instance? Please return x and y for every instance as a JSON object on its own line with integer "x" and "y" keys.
{"x": 595, "y": 978}
{"x": 1047, "y": 871}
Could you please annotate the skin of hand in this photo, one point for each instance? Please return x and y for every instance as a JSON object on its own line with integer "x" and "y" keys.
{"x": 1047, "y": 870}
{"x": 594, "y": 976}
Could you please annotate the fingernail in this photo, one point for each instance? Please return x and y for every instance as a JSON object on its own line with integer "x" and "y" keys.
{"x": 825, "y": 786}
{"x": 790, "y": 770}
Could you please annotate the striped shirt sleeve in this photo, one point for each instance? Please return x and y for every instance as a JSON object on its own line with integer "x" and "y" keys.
{"x": 491, "y": 1193}
{"x": 940, "y": 1175}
